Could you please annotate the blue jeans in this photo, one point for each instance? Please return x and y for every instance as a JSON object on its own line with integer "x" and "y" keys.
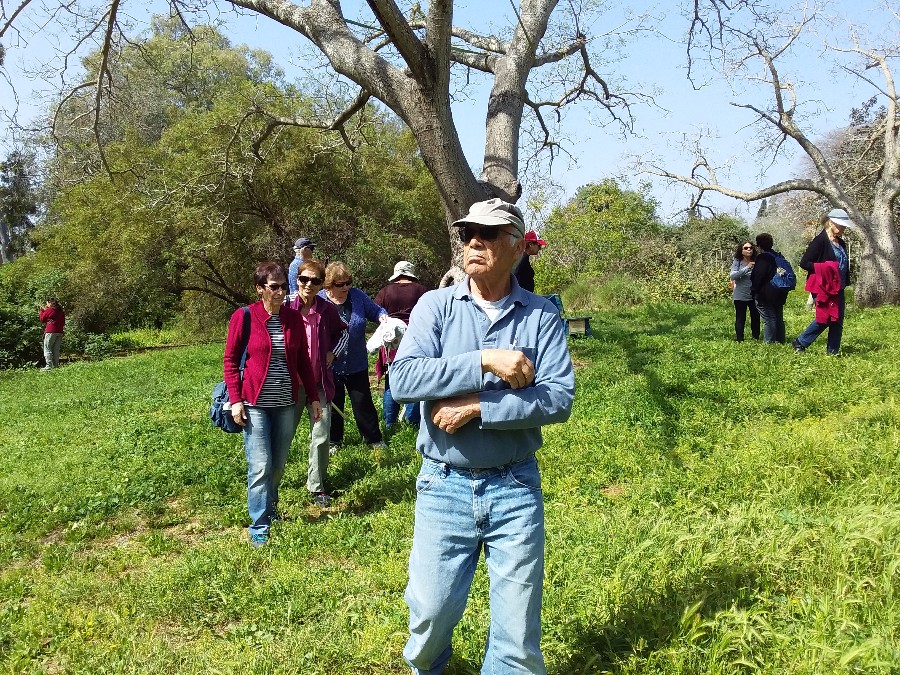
{"x": 459, "y": 513}
{"x": 267, "y": 439}
{"x": 391, "y": 410}
{"x": 835, "y": 330}
{"x": 773, "y": 323}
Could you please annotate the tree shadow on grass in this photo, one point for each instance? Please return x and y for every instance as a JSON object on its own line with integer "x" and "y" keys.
{"x": 650, "y": 624}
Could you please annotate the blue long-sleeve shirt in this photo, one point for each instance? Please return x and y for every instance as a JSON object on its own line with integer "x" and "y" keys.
{"x": 440, "y": 357}
{"x": 356, "y": 358}
{"x": 293, "y": 273}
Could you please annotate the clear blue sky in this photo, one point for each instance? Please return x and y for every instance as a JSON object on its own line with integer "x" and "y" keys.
{"x": 654, "y": 61}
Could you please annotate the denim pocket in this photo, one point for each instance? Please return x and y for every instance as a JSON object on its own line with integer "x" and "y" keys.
{"x": 525, "y": 474}
{"x": 429, "y": 472}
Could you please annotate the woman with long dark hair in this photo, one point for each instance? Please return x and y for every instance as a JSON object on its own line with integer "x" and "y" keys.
{"x": 741, "y": 268}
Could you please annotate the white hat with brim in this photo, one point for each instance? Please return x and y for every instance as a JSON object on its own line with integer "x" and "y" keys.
{"x": 840, "y": 217}
{"x": 494, "y": 213}
{"x": 404, "y": 268}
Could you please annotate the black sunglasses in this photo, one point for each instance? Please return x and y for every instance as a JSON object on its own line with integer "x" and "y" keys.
{"x": 315, "y": 281}
{"x": 483, "y": 232}
{"x": 273, "y": 286}
{"x": 341, "y": 284}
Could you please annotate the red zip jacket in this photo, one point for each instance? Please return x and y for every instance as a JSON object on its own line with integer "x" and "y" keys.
{"x": 54, "y": 319}
{"x": 825, "y": 284}
{"x": 259, "y": 351}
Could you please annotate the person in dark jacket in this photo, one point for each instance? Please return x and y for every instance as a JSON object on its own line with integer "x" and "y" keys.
{"x": 525, "y": 272}
{"x": 769, "y": 299}
{"x": 828, "y": 246}
{"x": 264, "y": 395}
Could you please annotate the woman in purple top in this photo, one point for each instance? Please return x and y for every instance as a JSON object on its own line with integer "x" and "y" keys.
{"x": 326, "y": 339}
{"x": 351, "y": 370}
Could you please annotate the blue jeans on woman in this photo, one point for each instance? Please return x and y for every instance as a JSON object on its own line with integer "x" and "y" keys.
{"x": 459, "y": 514}
{"x": 835, "y": 330}
{"x": 773, "y": 322}
{"x": 391, "y": 409}
{"x": 268, "y": 434}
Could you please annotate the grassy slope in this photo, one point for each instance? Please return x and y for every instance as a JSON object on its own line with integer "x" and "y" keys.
{"x": 712, "y": 507}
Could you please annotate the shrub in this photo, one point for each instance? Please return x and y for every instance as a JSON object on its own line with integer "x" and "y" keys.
{"x": 589, "y": 293}
{"x": 99, "y": 346}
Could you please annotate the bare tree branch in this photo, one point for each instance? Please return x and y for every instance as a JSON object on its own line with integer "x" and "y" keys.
{"x": 336, "y": 124}
{"x": 402, "y": 36}
{"x": 713, "y": 186}
{"x": 103, "y": 73}
{"x": 12, "y": 17}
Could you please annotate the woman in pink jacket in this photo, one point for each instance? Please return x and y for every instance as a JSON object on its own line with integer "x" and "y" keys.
{"x": 264, "y": 395}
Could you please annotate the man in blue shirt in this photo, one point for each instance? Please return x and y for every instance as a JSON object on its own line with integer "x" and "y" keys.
{"x": 303, "y": 252}
{"x": 491, "y": 365}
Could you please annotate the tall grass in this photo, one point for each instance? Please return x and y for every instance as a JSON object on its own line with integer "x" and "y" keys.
{"x": 712, "y": 507}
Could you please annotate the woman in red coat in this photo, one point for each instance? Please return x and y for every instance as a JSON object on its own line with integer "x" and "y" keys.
{"x": 264, "y": 396}
{"x": 54, "y": 320}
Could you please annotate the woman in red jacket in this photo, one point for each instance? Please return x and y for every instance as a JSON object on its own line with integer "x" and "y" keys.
{"x": 54, "y": 320}
{"x": 264, "y": 397}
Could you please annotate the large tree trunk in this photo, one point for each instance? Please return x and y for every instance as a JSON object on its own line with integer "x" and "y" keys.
{"x": 4, "y": 243}
{"x": 878, "y": 281}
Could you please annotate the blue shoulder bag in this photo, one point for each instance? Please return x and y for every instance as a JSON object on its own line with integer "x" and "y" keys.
{"x": 220, "y": 409}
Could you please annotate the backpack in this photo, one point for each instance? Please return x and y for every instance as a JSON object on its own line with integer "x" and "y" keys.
{"x": 784, "y": 276}
{"x": 220, "y": 408}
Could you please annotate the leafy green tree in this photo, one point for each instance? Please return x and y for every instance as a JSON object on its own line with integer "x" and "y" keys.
{"x": 195, "y": 198}
{"x": 18, "y": 203}
{"x": 710, "y": 241}
{"x": 597, "y": 233}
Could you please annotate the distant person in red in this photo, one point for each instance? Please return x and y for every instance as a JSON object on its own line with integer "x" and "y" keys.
{"x": 54, "y": 319}
{"x": 398, "y": 298}
{"x": 525, "y": 272}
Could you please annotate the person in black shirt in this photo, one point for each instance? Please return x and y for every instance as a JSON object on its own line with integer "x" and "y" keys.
{"x": 769, "y": 299}
{"x": 525, "y": 272}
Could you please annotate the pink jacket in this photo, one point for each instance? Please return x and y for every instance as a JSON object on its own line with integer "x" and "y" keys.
{"x": 331, "y": 328}
{"x": 259, "y": 351}
{"x": 825, "y": 284}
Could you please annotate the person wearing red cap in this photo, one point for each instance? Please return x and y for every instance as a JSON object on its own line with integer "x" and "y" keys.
{"x": 525, "y": 272}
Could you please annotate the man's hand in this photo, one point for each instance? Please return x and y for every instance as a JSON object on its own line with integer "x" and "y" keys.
{"x": 453, "y": 413}
{"x": 510, "y": 365}
{"x": 315, "y": 411}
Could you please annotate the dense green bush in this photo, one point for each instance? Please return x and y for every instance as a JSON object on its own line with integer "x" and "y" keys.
{"x": 99, "y": 346}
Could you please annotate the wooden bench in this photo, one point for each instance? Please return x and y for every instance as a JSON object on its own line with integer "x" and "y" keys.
{"x": 575, "y": 325}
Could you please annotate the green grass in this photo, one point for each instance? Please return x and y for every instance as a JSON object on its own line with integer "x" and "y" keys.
{"x": 712, "y": 507}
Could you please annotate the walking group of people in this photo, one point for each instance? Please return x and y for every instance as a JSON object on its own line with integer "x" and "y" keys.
{"x": 485, "y": 362}
{"x": 302, "y": 345}
{"x": 827, "y": 262}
